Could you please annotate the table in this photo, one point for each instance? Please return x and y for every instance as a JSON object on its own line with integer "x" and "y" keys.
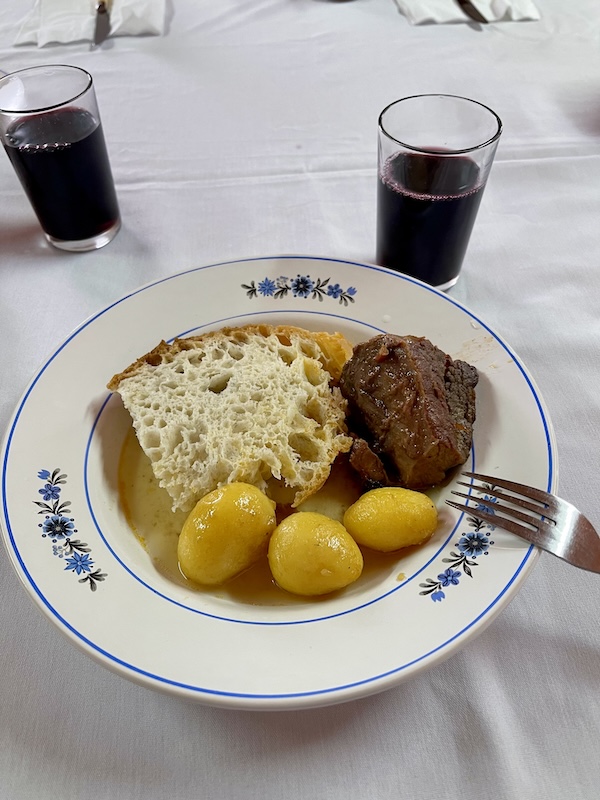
{"x": 249, "y": 129}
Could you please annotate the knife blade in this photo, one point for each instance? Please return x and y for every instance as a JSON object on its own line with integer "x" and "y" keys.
{"x": 102, "y": 28}
{"x": 469, "y": 9}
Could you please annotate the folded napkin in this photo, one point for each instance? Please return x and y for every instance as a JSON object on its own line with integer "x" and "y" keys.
{"x": 420, "y": 12}
{"x": 53, "y": 21}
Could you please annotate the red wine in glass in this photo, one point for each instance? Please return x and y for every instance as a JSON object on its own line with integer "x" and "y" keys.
{"x": 61, "y": 160}
{"x": 426, "y": 207}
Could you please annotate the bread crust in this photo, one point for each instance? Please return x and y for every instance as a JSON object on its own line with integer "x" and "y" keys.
{"x": 336, "y": 349}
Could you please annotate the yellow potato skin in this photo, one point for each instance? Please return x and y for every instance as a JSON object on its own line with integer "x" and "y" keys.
{"x": 225, "y": 533}
{"x": 390, "y": 518}
{"x": 311, "y": 554}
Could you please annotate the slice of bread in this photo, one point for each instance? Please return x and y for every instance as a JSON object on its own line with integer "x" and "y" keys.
{"x": 256, "y": 404}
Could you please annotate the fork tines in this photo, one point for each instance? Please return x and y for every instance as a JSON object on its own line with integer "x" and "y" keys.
{"x": 554, "y": 524}
{"x": 512, "y": 486}
{"x": 489, "y": 509}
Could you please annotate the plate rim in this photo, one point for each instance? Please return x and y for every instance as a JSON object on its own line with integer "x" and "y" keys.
{"x": 279, "y": 700}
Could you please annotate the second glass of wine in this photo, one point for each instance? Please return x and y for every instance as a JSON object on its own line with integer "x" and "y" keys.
{"x": 435, "y": 152}
{"x": 52, "y": 134}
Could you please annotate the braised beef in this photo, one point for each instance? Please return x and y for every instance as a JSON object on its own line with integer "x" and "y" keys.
{"x": 412, "y": 406}
{"x": 370, "y": 468}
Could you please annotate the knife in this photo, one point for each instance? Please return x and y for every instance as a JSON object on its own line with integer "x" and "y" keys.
{"x": 102, "y": 22}
{"x": 469, "y": 9}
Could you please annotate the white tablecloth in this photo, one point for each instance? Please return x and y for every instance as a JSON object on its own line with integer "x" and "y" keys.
{"x": 250, "y": 129}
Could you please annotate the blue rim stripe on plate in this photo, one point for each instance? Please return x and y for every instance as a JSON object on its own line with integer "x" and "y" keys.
{"x": 220, "y": 323}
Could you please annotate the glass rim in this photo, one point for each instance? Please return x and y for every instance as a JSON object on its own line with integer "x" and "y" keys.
{"x": 444, "y": 151}
{"x": 40, "y": 68}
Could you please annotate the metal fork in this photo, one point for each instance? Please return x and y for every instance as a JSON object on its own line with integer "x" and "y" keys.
{"x": 555, "y": 525}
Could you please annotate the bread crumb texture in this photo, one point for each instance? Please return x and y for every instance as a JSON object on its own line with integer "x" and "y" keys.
{"x": 255, "y": 404}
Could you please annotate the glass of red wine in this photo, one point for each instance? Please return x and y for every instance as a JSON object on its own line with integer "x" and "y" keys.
{"x": 435, "y": 152}
{"x": 52, "y": 134}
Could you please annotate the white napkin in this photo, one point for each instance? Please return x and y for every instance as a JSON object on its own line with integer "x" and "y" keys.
{"x": 420, "y": 12}
{"x": 53, "y": 21}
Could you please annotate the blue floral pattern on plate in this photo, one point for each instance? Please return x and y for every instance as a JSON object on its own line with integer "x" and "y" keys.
{"x": 302, "y": 286}
{"x": 59, "y": 527}
{"x": 470, "y": 546}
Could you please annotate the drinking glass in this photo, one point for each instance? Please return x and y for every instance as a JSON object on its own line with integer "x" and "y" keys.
{"x": 435, "y": 152}
{"x": 52, "y": 133}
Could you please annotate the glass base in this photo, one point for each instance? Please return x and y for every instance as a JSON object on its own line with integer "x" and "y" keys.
{"x": 83, "y": 245}
{"x": 448, "y": 285}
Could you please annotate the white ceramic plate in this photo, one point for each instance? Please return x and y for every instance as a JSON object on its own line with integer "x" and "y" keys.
{"x": 76, "y": 556}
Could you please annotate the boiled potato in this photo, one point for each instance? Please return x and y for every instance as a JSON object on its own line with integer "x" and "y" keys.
{"x": 391, "y": 518}
{"x": 311, "y": 554}
{"x": 226, "y": 533}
